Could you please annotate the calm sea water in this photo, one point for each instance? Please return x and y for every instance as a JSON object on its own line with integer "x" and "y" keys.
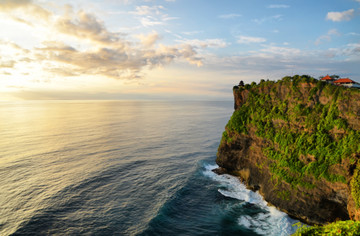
{"x": 122, "y": 168}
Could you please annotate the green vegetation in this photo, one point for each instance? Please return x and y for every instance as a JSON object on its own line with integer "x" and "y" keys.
{"x": 355, "y": 187}
{"x": 306, "y": 137}
{"x": 284, "y": 195}
{"x": 338, "y": 228}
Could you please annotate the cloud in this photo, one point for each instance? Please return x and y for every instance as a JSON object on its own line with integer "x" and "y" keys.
{"x": 350, "y": 51}
{"x": 85, "y": 46}
{"x": 21, "y": 7}
{"x": 150, "y": 21}
{"x": 274, "y": 62}
{"x": 149, "y": 40}
{"x": 11, "y": 45}
{"x": 147, "y": 10}
{"x": 266, "y": 19}
{"x": 115, "y": 62}
{"x": 248, "y": 40}
{"x": 229, "y": 16}
{"x": 207, "y": 43}
{"x": 11, "y": 4}
{"x": 7, "y": 64}
{"x": 340, "y": 16}
{"x": 84, "y": 25}
{"x": 353, "y": 33}
{"x": 11, "y": 55}
{"x": 327, "y": 37}
{"x": 268, "y": 60}
{"x": 189, "y": 33}
{"x": 278, "y": 6}
{"x": 150, "y": 16}
{"x": 284, "y": 52}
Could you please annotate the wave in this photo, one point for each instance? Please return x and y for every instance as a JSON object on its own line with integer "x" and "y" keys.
{"x": 267, "y": 221}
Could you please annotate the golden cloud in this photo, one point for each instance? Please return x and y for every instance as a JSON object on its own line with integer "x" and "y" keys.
{"x": 24, "y": 7}
{"x": 105, "y": 53}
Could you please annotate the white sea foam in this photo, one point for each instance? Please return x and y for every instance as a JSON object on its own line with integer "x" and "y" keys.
{"x": 271, "y": 222}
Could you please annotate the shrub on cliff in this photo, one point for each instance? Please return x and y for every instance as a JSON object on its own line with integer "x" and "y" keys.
{"x": 338, "y": 228}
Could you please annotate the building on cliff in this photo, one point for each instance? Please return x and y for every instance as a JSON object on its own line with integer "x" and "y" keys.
{"x": 346, "y": 82}
{"x": 328, "y": 79}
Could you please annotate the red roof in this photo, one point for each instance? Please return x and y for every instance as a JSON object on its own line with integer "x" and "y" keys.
{"x": 344, "y": 80}
{"x": 327, "y": 78}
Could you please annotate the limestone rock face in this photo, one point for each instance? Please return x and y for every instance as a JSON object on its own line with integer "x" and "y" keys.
{"x": 325, "y": 203}
{"x": 302, "y": 193}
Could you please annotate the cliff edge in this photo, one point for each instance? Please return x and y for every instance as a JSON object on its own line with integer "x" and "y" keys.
{"x": 297, "y": 142}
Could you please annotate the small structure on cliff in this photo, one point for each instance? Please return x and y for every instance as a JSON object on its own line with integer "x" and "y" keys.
{"x": 328, "y": 79}
{"x": 346, "y": 82}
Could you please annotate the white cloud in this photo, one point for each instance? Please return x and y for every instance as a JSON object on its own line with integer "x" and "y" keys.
{"x": 278, "y": 6}
{"x": 275, "y": 62}
{"x": 340, "y": 16}
{"x": 353, "y": 33}
{"x": 285, "y": 52}
{"x": 327, "y": 37}
{"x": 150, "y": 21}
{"x": 150, "y": 16}
{"x": 147, "y": 10}
{"x": 248, "y": 40}
{"x": 207, "y": 43}
{"x": 350, "y": 51}
{"x": 189, "y": 33}
{"x": 229, "y": 16}
{"x": 270, "y": 18}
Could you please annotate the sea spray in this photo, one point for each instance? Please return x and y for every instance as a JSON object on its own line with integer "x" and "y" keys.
{"x": 268, "y": 221}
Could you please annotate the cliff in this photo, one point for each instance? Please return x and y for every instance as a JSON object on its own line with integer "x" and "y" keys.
{"x": 297, "y": 141}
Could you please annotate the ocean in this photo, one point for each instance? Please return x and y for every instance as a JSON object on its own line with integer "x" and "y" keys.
{"x": 123, "y": 168}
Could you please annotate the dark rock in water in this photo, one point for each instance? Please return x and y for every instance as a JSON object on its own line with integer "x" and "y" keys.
{"x": 311, "y": 198}
{"x": 219, "y": 171}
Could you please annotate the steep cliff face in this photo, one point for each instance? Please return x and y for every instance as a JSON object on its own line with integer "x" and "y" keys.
{"x": 297, "y": 141}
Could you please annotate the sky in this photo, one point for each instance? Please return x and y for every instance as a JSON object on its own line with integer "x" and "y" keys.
{"x": 170, "y": 49}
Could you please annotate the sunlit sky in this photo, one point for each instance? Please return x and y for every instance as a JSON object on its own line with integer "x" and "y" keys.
{"x": 170, "y": 49}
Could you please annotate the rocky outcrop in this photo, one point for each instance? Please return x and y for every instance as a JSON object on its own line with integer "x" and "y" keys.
{"x": 289, "y": 180}
{"x": 326, "y": 202}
